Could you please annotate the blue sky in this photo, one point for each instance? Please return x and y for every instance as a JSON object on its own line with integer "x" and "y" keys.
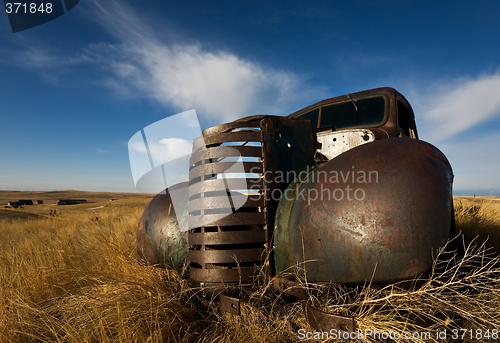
{"x": 74, "y": 91}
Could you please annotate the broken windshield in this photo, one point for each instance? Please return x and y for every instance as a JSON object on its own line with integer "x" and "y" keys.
{"x": 364, "y": 112}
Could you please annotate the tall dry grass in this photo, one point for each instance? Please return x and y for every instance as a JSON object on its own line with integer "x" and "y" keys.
{"x": 75, "y": 278}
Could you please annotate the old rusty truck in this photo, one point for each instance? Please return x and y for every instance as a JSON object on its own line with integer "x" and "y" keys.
{"x": 341, "y": 191}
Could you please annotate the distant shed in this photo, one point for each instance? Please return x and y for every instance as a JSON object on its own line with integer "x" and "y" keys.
{"x": 38, "y": 202}
{"x": 13, "y": 203}
{"x": 25, "y": 202}
{"x": 71, "y": 201}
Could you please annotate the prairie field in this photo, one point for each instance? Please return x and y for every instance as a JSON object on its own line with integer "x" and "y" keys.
{"x": 70, "y": 274}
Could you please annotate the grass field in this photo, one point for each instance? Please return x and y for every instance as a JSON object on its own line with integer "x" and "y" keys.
{"x": 72, "y": 276}
{"x": 51, "y": 197}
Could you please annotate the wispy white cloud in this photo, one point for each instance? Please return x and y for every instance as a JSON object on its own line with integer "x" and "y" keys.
{"x": 460, "y": 105}
{"x": 219, "y": 85}
{"x": 447, "y": 109}
{"x": 32, "y": 53}
{"x": 138, "y": 62}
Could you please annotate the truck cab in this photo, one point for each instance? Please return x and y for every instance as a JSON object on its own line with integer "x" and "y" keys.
{"x": 344, "y": 122}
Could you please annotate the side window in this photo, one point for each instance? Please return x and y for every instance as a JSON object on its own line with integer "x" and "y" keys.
{"x": 406, "y": 121}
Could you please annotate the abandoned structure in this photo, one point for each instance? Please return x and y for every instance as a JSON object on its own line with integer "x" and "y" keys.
{"x": 25, "y": 202}
{"x": 71, "y": 201}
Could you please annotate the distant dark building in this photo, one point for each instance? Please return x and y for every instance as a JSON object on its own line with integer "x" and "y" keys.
{"x": 38, "y": 202}
{"x": 71, "y": 201}
{"x": 13, "y": 203}
{"x": 25, "y": 202}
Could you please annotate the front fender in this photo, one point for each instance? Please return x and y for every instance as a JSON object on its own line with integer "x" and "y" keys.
{"x": 160, "y": 238}
{"x": 376, "y": 212}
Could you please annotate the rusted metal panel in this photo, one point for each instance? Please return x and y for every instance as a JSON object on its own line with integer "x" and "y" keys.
{"x": 222, "y": 276}
{"x": 250, "y": 135}
{"x": 221, "y": 202}
{"x": 226, "y": 256}
{"x": 224, "y": 237}
{"x": 288, "y": 148}
{"x": 239, "y": 136}
{"x": 230, "y": 126}
{"x": 322, "y": 321}
{"x": 254, "y": 218}
{"x": 344, "y": 227}
{"x": 198, "y": 145}
{"x": 333, "y": 143}
{"x": 226, "y": 151}
{"x": 229, "y": 304}
{"x": 319, "y": 320}
{"x": 225, "y": 184}
{"x": 224, "y": 167}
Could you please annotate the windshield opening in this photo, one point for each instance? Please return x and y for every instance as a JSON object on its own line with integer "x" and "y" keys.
{"x": 364, "y": 112}
{"x": 368, "y": 112}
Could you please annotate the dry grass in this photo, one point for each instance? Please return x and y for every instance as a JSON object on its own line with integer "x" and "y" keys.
{"x": 75, "y": 278}
{"x": 51, "y": 197}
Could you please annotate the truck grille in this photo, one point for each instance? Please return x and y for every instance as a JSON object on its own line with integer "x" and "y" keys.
{"x": 231, "y": 213}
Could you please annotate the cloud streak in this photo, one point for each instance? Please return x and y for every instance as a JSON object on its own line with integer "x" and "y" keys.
{"x": 461, "y": 105}
{"x": 455, "y": 107}
{"x": 219, "y": 85}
